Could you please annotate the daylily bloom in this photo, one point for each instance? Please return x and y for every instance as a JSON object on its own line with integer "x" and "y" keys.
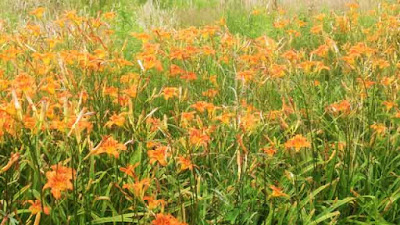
{"x": 139, "y": 187}
{"x": 341, "y": 107}
{"x": 277, "y": 192}
{"x": 129, "y": 170}
{"x": 198, "y": 137}
{"x": 170, "y": 92}
{"x": 59, "y": 179}
{"x": 110, "y": 146}
{"x": 166, "y": 219}
{"x": 158, "y": 155}
{"x": 379, "y": 128}
{"x": 185, "y": 163}
{"x": 116, "y": 119}
{"x": 154, "y": 203}
{"x": 297, "y": 142}
{"x": 38, "y": 12}
{"x": 270, "y": 151}
{"x": 36, "y": 207}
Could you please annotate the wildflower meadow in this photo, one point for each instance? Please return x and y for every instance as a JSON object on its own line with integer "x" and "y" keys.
{"x": 285, "y": 118}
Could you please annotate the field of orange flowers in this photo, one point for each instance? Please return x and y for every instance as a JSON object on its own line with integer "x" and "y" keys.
{"x": 199, "y": 125}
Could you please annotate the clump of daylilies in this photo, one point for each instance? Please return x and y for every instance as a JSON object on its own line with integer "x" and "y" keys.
{"x": 199, "y": 125}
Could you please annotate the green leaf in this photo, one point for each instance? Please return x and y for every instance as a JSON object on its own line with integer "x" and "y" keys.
{"x": 314, "y": 193}
{"x": 325, "y": 217}
{"x": 128, "y": 218}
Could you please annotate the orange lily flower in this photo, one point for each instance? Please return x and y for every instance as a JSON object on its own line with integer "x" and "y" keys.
{"x": 110, "y": 146}
{"x": 59, "y": 180}
{"x": 298, "y": 142}
{"x": 185, "y": 163}
{"x": 116, "y": 119}
{"x": 277, "y": 192}
{"x": 153, "y": 203}
{"x": 36, "y": 207}
{"x": 162, "y": 219}
{"x": 158, "y": 155}
{"x": 139, "y": 187}
{"x": 129, "y": 170}
{"x": 170, "y": 92}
